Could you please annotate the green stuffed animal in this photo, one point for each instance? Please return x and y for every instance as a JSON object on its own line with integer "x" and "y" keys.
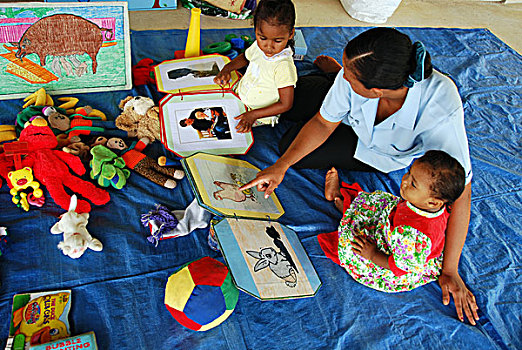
{"x": 108, "y": 168}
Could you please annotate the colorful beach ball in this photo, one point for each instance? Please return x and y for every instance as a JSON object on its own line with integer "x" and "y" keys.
{"x": 201, "y": 294}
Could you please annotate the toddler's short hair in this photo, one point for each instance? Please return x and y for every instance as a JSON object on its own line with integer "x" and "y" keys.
{"x": 448, "y": 175}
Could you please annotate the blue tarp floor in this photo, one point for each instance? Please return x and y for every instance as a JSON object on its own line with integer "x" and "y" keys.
{"x": 118, "y": 293}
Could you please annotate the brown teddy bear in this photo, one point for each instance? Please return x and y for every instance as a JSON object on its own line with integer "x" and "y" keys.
{"x": 140, "y": 118}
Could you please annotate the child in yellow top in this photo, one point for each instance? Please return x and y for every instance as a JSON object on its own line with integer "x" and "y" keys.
{"x": 267, "y": 88}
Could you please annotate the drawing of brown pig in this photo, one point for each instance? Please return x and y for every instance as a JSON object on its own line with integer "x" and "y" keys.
{"x": 62, "y": 35}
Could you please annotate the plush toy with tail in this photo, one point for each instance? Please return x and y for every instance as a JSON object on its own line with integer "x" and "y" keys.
{"x": 76, "y": 238}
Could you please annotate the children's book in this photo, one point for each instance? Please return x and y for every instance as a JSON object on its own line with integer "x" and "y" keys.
{"x": 216, "y": 181}
{"x": 266, "y": 259}
{"x": 82, "y": 341}
{"x": 198, "y": 115}
{"x": 39, "y": 318}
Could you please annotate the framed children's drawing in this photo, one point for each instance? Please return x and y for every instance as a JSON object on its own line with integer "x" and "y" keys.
{"x": 137, "y": 5}
{"x": 192, "y": 74}
{"x": 203, "y": 122}
{"x": 266, "y": 259}
{"x": 216, "y": 181}
{"x": 64, "y": 47}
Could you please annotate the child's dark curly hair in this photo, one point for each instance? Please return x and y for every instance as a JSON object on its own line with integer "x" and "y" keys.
{"x": 447, "y": 174}
{"x": 275, "y": 12}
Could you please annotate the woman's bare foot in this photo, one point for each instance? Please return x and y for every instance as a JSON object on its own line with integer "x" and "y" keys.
{"x": 327, "y": 64}
{"x": 332, "y": 189}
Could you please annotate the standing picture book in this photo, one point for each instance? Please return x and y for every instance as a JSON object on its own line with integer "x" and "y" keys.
{"x": 193, "y": 74}
{"x": 198, "y": 115}
{"x": 216, "y": 181}
{"x": 82, "y": 341}
{"x": 64, "y": 47}
{"x": 39, "y": 318}
{"x": 266, "y": 259}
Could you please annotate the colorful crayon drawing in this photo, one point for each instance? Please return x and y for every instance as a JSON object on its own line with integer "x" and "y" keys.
{"x": 68, "y": 48}
{"x": 137, "y": 5}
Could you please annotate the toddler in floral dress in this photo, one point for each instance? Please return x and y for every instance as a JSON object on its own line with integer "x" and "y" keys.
{"x": 393, "y": 244}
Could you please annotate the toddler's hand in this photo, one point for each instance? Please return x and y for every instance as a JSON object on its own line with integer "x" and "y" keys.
{"x": 363, "y": 247}
{"x": 222, "y": 78}
{"x": 246, "y": 120}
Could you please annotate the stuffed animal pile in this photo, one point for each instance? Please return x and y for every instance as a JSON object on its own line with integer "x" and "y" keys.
{"x": 50, "y": 147}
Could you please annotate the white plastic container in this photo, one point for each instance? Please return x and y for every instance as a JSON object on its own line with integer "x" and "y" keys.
{"x": 371, "y": 11}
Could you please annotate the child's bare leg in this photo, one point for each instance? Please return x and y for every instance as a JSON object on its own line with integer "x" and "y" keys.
{"x": 332, "y": 188}
{"x": 327, "y": 64}
{"x": 338, "y": 201}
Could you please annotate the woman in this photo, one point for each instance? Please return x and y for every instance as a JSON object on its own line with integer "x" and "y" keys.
{"x": 385, "y": 107}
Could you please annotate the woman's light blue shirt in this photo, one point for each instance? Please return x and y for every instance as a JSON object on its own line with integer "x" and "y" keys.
{"x": 431, "y": 118}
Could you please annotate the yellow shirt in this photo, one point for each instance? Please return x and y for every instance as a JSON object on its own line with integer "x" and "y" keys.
{"x": 264, "y": 76}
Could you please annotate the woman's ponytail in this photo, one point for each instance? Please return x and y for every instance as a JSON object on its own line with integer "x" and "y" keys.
{"x": 421, "y": 63}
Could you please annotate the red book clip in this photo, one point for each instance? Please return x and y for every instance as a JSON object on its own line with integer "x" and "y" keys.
{"x": 16, "y": 149}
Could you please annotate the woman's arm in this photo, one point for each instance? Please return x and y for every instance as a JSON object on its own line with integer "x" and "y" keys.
{"x": 311, "y": 136}
{"x": 286, "y": 100}
{"x": 450, "y": 280}
{"x": 223, "y": 77}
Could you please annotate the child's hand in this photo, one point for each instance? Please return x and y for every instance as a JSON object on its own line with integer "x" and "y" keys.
{"x": 223, "y": 78}
{"x": 363, "y": 247}
{"x": 246, "y": 120}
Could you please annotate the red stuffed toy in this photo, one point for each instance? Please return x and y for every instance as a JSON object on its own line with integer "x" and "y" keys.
{"x": 51, "y": 168}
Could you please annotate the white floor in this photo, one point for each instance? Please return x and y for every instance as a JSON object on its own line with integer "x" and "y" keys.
{"x": 503, "y": 19}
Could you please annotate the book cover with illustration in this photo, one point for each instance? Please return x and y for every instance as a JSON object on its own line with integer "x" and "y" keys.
{"x": 39, "y": 318}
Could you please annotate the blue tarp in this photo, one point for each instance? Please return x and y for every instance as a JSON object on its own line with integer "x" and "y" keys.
{"x": 118, "y": 293}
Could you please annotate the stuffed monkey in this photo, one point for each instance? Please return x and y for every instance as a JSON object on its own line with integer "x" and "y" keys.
{"x": 145, "y": 165}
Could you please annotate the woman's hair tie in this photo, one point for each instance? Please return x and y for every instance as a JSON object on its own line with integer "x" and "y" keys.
{"x": 418, "y": 73}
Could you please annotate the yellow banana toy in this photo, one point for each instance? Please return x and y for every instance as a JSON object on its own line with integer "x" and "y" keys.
{"x": 71, "y": 102}
{"x": 7, "y": 133}
{"x": 38, "y": 98}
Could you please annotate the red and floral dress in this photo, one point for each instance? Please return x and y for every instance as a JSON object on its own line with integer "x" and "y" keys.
{"x": 413, "y": 239}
